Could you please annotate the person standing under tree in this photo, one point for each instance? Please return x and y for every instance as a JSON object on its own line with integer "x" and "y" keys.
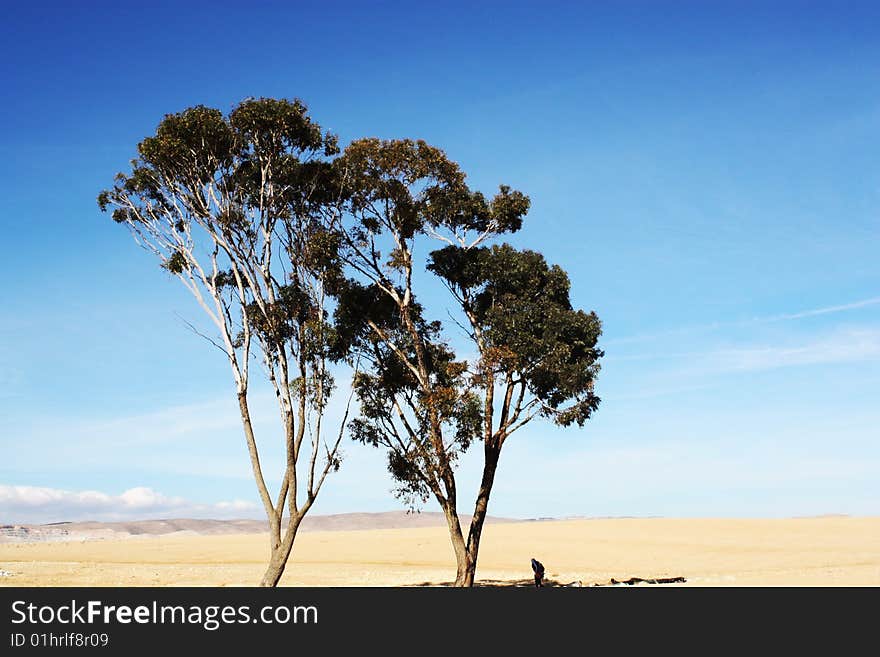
{"x": 538, "y": 569}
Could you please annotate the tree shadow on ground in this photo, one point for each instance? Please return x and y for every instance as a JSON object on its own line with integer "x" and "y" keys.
{"x": 497, "y": 583}
{"x": 552, "y": 583}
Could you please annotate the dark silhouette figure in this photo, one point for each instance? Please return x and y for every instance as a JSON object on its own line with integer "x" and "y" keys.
{"x": 538, "y": 569}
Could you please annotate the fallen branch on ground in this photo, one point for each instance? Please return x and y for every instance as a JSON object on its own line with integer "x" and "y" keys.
{"x": 638, "y": 580}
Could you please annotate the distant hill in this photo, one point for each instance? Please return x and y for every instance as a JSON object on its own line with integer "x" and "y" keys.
{"x": 86, "y": 530}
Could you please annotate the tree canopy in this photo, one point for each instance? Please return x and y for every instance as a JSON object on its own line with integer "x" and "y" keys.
{"x": 522, "y": 320}
{"x": 233, "y": 207}
{"x": 309, "y": 252}
{"x": 419, "y": 399}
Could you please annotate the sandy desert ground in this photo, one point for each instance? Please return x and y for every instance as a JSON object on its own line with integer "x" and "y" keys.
{"x": 710, "y": 552}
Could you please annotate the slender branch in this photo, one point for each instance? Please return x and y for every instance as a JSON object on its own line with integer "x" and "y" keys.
{"x": 201, "y": 335}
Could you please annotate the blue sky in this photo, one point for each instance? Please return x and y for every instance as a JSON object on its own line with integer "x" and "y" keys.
{"x": 707, "y": 173}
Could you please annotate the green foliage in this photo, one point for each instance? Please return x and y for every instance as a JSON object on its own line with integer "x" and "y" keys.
{"x": 279, "y": 322}
{"x": 461, "y": 210}
{"x": 528, "y": 336}
{"x": 235, "y": 206}
{"x": 379, "y": 178}
{"x": 406, "y": 186}
{"x": 176, "y": 263}
{"x": 221, "y": 199}
{"x": 350, "y": 222}
{"x": 191, "y": 145}
{"x": 396, "y": 411}
{"x": 203, "y": 166}
{"x": 520, "y": 306}
{"x": 268, "y": 126}
{"x": 224, "y": 279}
{"x": 316, "y": 388}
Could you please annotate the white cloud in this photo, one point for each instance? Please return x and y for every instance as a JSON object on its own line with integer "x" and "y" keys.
{"x": 873, "y": 301}
{"x": 146, "y": 498}
{"x": 855, "y": 345}
{"x": 712, "y": 326}
{"x": 33, "y": 504}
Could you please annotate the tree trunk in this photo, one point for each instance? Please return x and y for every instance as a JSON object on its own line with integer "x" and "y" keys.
{"x": 279, "y": 555}
{"x": 275, "y": 569}
{"x": 490, "y": 465}
{"x": 458, "y": 545}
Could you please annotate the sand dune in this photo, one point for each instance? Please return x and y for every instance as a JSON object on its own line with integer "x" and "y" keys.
{"x": 714, "y": 552}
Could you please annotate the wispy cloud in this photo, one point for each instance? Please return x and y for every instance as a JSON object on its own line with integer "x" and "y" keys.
{"x": 675, "y": 374}
{"x": 840, "y": 347}
{"x": 873, "y": 301}
{"x": 711, "y": 326}
{"x": 843, "y": 346}
{"x": 202, "y": 438}
{"x": 37, "y": 504}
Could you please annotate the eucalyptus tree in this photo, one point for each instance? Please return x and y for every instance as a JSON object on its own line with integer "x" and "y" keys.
{"x": 420, "y": 400}
{"x": 231, "y": 206}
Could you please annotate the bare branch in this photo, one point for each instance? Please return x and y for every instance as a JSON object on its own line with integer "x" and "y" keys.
{"x": 202, "y": 335}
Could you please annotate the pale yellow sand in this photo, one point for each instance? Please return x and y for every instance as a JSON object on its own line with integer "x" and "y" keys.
{"x": 715, "y": 552}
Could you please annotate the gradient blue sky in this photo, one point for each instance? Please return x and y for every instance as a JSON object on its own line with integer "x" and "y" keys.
{"x": 708, "y": 174}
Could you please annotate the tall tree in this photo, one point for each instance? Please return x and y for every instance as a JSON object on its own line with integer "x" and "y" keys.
{"x": 536, "y": 355}
{"x": 232, "y": 206}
